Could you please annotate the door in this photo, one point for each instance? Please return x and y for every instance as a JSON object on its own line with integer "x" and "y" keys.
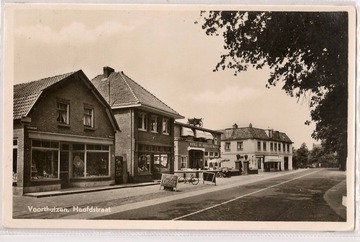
{"x": 286, "y": 163}
{"x": 119, "y": 169}
{"x": 64, "y": 168}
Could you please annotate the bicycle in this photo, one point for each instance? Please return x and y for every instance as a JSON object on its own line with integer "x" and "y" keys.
{"x": 192, "y": 179}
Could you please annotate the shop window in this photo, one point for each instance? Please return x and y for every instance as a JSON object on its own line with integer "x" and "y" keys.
{"x": 44, "y": 164}
{"x": 183, "y": 162}
{"x": 142, "y": 121}
{"x": 240, "y": 145}
{"x": 97, "y": 164}
{"x": 78, "y": 164}
{"x": 88, "y": 117}
{"x": 153, "y": 124}
{"x": 161, "y": 163}
{"x": 264, "y": 146}
{"x": 90, "y": 161}
{"x": 259, "y": 146}
{"x": 144, "y": 164}
{"x": 166, "y": 126}
{"x": 227, "y": 146}
{"x": 63, "y": 113}
{"x": 78, "y": 147}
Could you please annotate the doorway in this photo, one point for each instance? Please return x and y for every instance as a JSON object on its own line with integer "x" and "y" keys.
{"x": 64, "y": 166}
{"x": 196, "y": 160}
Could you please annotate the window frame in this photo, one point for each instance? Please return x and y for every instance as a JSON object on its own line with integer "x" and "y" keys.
{"x": 154, "y": 123}
{"x": 166, "y": 126}
{"x": 59, "y": 111}
{"x": 143, "y": 117}
{"x": 227, "y": 146}
{"x": 87, "y": 115}
{"x": 240, "y": 145}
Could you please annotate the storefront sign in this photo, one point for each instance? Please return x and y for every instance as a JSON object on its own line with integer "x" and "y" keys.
{"x": 203, "y": 145}
{"x": 169, "y": 181}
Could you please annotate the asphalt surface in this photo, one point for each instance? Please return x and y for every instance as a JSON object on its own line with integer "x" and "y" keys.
{"x": 293, "y": 197}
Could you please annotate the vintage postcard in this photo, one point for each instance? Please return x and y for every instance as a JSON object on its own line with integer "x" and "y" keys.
{"x": 179, "y": 117}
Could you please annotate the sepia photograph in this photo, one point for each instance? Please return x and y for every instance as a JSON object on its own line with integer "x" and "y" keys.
{"x": 179, "y": 117}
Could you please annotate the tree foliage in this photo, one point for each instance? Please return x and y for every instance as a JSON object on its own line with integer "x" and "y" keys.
{"x": 301, "y": 157}
{"x": 307, "y": 53}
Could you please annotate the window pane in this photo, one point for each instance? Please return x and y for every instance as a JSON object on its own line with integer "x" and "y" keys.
{"x": 97, "y": 164}
{"x": 144, "y": 164}
{"x": 79, "y": 147}
{"x": 62, "y": 113}
{"x": 88, "y": 114}
{"x": 44, "y": 164}
{"x": 36, "y": 143}
{"x": 153, "y": 124}
{"x": 78, "y": 164}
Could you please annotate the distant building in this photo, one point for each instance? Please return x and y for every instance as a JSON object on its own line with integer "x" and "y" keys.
{"x": 194, "y": 146}
{"x": 262, "y": 149}
{"x": 64, "y": 135}
{"x": 146, "y": 140}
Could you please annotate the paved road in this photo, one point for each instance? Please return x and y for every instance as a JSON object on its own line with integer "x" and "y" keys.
{"x": 295, "y": 197}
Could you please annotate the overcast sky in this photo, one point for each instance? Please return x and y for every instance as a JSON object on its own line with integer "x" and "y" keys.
{"x": 166, "y": 53}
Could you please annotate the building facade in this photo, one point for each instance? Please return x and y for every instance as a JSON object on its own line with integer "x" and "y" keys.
{"x": 63, "y": 136}
{"x": 194, "y": 146}
{"x": 259, "y": 149}
{"x": 146, "y": 140}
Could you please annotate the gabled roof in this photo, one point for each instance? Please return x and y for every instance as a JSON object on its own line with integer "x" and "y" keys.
{"x": 251, "y": 133}
{"x": 124, "y": 93}
{"x": 26, "y": 94}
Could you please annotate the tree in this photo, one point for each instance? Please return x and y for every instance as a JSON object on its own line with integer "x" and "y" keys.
{"x": 322, "y": 158}
{"x": 301, "y": 157}
{"x": 306, "y": 53}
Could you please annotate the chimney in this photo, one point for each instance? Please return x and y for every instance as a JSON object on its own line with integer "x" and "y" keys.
{"x": 250, "y": 125}
{"x": 107, "y": 71}
{"x": 235, "y": 126}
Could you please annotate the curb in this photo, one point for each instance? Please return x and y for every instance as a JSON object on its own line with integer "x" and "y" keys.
{"x": 60, "y": 193}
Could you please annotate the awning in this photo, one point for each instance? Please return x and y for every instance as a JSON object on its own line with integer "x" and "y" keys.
{"x": 203, "y": 134}
{"x": 273, "y": 159}
{"x": 195, "y": 148}
{"x": 187, "y": 132}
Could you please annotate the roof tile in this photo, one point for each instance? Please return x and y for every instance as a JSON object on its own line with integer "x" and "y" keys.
{"x": 126, "y": 92}
{"x": 26, "y": 94}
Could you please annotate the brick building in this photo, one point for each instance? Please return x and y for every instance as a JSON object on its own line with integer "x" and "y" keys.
{"x": 194, "y": 146}
{"x": 146, "y": 140}
{"x": 64, "y": 134}
{"x": 263, "y": 150}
